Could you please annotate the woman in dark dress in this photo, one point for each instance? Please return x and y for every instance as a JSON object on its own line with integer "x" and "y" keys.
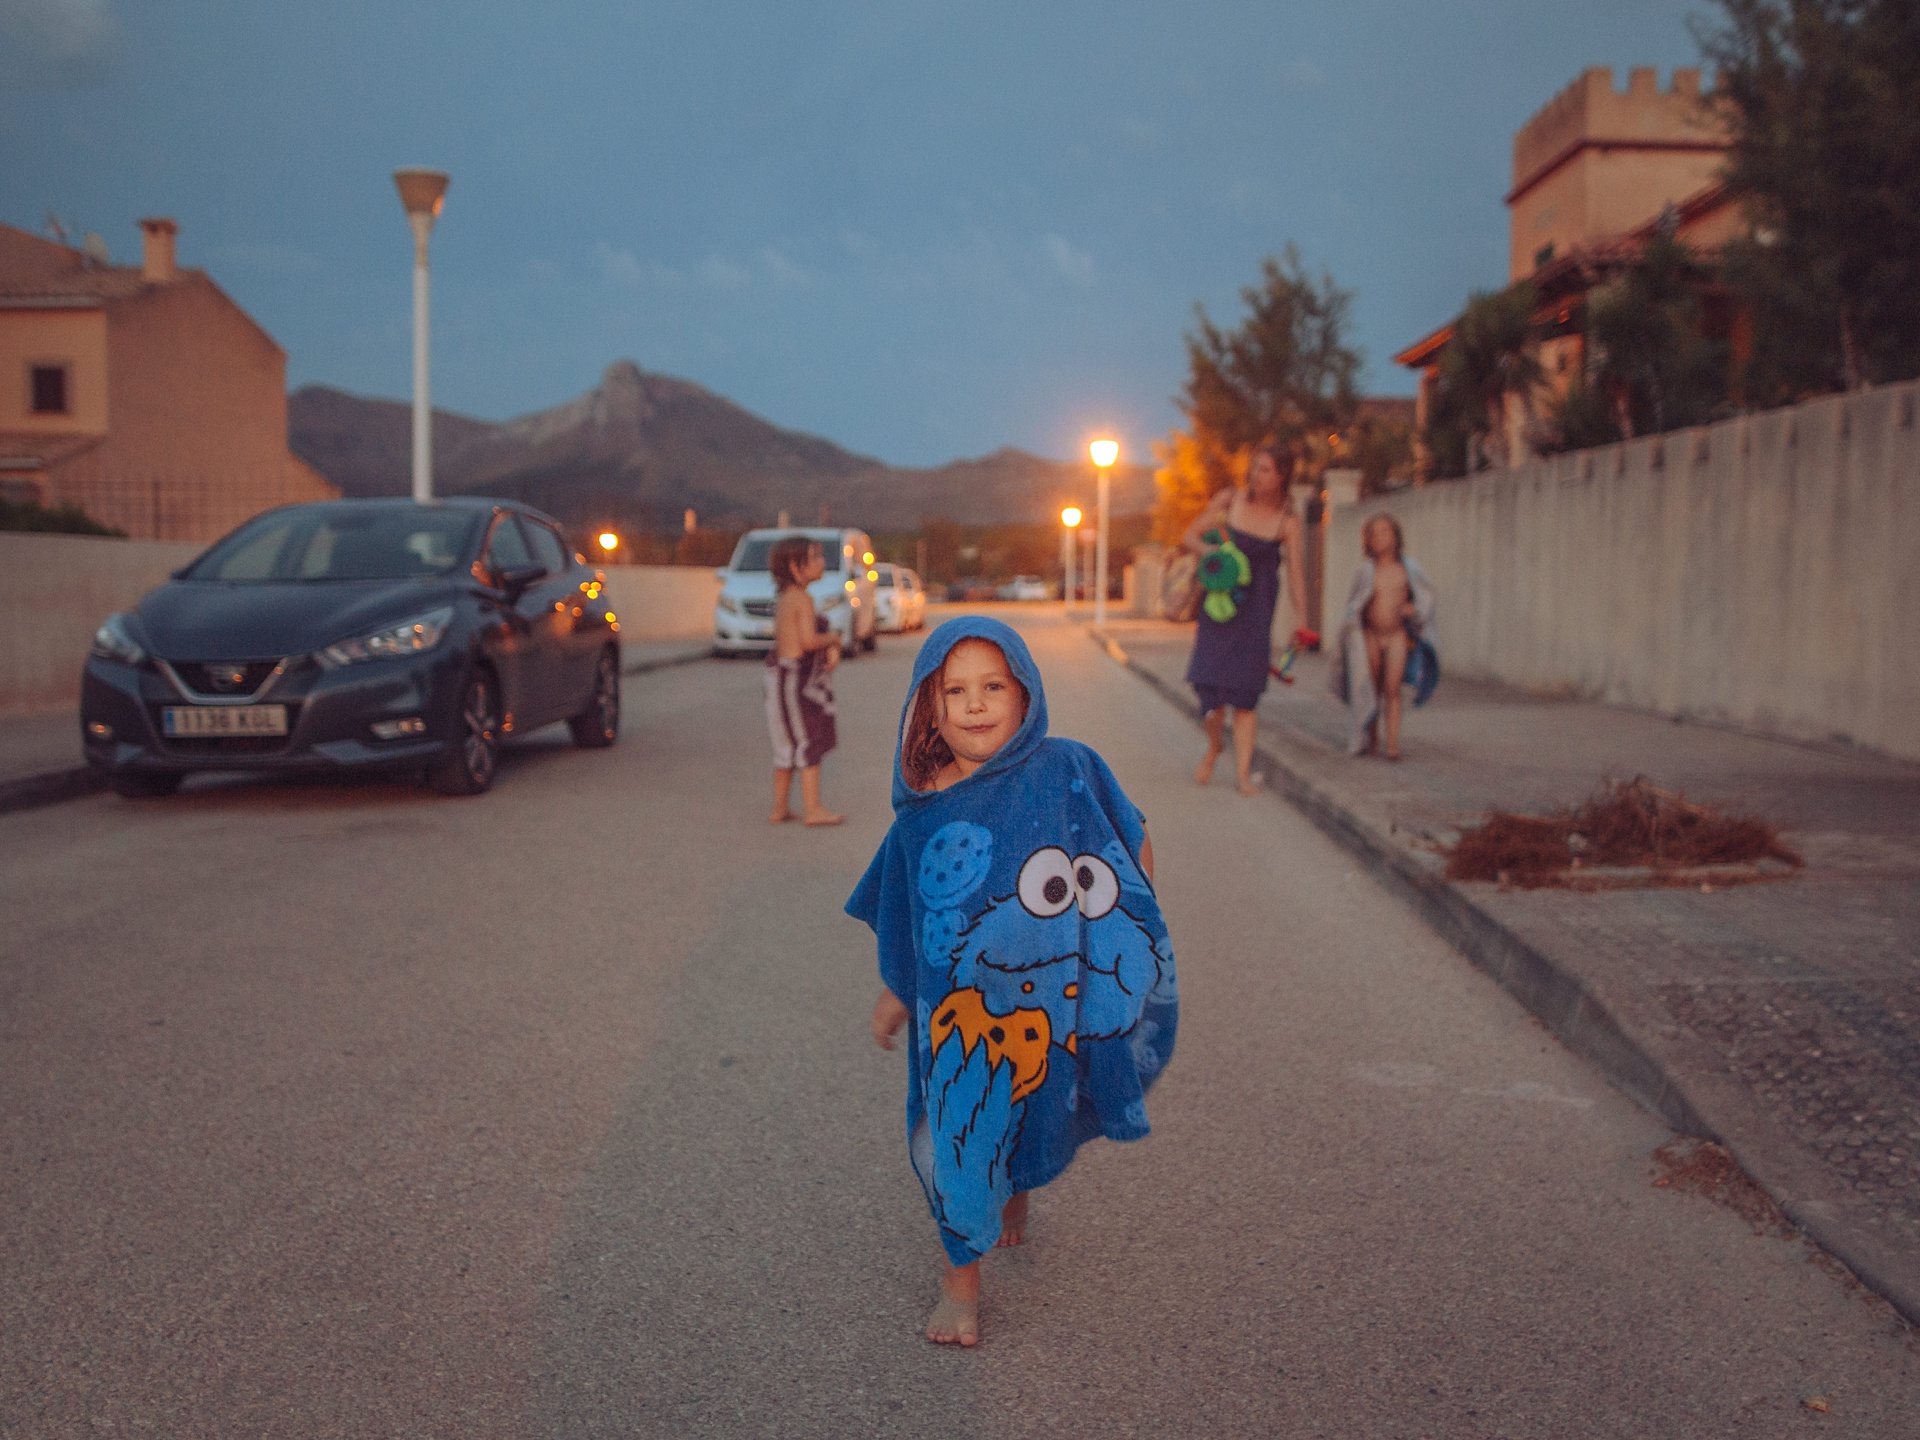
{"x": 1228, "y": 670}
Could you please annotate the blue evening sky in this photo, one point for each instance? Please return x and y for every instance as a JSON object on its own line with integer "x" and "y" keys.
{"x": 921, "y": 228}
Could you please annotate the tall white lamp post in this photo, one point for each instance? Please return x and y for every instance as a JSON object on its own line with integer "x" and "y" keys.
{"x": 1104, "y": 453}
{"x": 1069, "y": 522}
{"x": 422, "y": 192}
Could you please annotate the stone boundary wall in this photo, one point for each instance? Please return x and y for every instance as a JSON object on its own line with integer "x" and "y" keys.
{"x": 1763, "y": 572}
{"x": 56, "y": 589}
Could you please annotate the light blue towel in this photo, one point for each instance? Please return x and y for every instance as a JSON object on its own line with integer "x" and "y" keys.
{"x": 1015, "y": 925}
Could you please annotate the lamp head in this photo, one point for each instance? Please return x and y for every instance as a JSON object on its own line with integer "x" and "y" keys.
{"x": 1104, "y": 453}
{"x": 1070, "y": 517}
{"x": 609, "y": 541}
{"x": 422, "y": 193}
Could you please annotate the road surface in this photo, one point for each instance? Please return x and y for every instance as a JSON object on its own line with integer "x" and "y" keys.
{"x": 353, "y": 1111}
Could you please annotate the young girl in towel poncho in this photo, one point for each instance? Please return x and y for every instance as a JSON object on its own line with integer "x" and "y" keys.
{"x": 1020, "y": 944}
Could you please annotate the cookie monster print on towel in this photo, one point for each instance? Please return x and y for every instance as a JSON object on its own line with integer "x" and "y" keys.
{"x": 1015, "y": 925}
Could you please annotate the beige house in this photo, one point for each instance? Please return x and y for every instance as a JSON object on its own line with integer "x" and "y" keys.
{"x": 1595, "y": 173}
{"x": 143, "y": 395}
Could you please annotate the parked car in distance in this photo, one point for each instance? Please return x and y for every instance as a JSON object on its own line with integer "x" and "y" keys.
{"x": 1026, "y": 587}
{"x": 844, "y": 595}
{"x": 900, "y": 603}
{"x": 356, "y": 634}
{"x": 971, "y": 588}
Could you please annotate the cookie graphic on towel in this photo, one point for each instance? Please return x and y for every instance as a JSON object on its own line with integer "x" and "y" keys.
{"x": 954, "y": 863}
{"x": 1020, "y": 1038}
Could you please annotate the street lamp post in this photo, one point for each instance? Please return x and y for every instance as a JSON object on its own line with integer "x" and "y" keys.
{"x": 1069, "y": 522}
{"x": 1104, "y": 453}
{"x": 422, "y": 192}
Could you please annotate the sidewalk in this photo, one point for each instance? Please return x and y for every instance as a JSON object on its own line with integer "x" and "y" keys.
{"x": 41, "y": 762}
{"x": 1781, "y": 1019}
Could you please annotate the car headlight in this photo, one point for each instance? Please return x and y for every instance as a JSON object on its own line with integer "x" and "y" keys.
{"x": 409, "y": 637}
{"x": 113, "y": 642}
{"x": 729, "y": 604}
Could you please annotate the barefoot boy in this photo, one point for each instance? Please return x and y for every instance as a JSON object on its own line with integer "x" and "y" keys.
{"x": 800, "y": 718}
{"x": 1390, "y": 613}
{"x": 1020, "y": 944}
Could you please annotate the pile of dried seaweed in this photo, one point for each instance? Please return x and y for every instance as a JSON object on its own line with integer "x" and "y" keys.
{"x": 1622, "y": 825}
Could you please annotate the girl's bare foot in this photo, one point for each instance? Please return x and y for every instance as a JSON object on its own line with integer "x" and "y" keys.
{"x": 1393, "y": 754}
{"x": 1204, "y": 775}
{"x": 1254, "y": 783}
{"x": 1013, "y": 1221}
{"x": 956, "y": 1319}
{"x": 780, "y": 817}
{"x": 823, "y": 817}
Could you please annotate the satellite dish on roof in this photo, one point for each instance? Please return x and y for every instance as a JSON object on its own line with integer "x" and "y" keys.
{"x": 95, "y": 248}
{"x": 55, "y": 229}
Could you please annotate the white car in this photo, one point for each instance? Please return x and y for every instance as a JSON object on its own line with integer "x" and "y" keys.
{"x": 898, "y": 598}
{"x": 844, "y": 595}
{"x": 1026, "y": 587}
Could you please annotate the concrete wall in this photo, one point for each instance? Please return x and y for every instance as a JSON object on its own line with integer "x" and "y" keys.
{"x": 663, "y": 602}
{"x": 56, "y": 589}
{"x": 54, "y": 592}
{"x": 1763, "y": 572}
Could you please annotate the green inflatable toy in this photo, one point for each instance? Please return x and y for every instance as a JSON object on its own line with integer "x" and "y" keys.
{"x": 1223, "y": 569}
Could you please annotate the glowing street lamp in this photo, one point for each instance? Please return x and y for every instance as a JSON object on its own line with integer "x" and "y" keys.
{"x": 422, "y": 193}
{"x": 1070, "y": 521}
{"x": 1104, "y": 453}
{"x": 609, "y": 542}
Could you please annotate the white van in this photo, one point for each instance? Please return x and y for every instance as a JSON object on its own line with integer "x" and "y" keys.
{"x": 743, "y": 617}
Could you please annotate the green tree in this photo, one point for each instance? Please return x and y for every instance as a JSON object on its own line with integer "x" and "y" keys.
{"x": 1286, "y": 371}
{"x": 1825, "y": 101}
{"x": 1490, "y": 357}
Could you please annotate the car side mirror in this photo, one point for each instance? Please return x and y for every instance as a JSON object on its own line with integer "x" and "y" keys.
{"x": 519, "y": 578}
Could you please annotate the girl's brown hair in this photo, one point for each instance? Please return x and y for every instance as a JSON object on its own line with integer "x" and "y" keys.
{"x": 924, "y": 752}
{"x": 1284, "y": 461}
{"x": 786, "y": 558}
{"x": 1383, "y": 518}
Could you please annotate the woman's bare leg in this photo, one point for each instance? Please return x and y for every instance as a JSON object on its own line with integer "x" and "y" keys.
{"x": 1215, "y": 725}
{"x": 1246, "y": 728}
{"x": 782, "y": 793}
{"x": 956, "y": 1319}
{"x": 812, "y": 811}
{"x": 1393, "y": 673}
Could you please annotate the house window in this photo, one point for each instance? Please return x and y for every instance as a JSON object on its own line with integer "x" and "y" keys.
{"x": 50, "y": 390}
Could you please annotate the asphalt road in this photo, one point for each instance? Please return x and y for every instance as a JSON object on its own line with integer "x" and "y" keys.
{"x": 352, "y": 1111}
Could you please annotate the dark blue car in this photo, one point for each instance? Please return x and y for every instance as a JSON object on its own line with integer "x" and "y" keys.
{"x": 378, "y": 634}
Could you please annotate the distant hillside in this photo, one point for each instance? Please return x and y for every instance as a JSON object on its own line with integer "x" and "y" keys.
{"x": 642, "y": 449}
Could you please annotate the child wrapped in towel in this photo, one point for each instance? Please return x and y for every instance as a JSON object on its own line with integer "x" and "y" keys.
{"x": 1020, "y": 943}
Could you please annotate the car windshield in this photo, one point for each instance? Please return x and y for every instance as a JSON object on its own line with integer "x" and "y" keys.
{"x": 754, "y": 549}
{"x": 386, "y": 542}
{"x": 885, "y": 582}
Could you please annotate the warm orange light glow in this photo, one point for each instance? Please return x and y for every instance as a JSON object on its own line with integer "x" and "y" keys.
{"x": 609, "y": 540}
{"x": 1070, "y": 517}
{"x": 873, "y": 574}
{"x": 1104, "y": 452}
{"x": 867, "y": 559}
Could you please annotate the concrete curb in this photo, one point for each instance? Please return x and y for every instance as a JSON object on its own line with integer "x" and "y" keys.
{"x": 55, "y": 787}
{"x": 1565, "y": 1004}
{"x": 51, "y": 788}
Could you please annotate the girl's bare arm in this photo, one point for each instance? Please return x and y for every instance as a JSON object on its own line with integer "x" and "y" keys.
{"x": 888, "y": 1016}
{"x": 1146, "y": 855}
{"x": 1295, "y": 535}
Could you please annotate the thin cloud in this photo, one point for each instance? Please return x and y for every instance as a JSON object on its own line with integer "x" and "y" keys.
{"x": 781, "y": 270}
{"x": 57, "y": 43}
{"x": 723, "y": 274}
{"x": 1077, "y": 265}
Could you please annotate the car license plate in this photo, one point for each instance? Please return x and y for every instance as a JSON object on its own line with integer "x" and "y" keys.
{"x": 203, "y": 720}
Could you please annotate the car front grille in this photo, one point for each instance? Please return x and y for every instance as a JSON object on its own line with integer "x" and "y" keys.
{"x": 221, "y": 677}
{"x": 759, "y": 608}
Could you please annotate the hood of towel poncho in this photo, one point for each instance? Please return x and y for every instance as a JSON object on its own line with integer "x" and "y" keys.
{"x": 1014, "y": 923}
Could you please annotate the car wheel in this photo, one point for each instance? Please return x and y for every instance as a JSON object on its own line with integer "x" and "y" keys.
{"x": 473, "y": 749}
{"x": 146, "y": 784}
{"x": 598, "y": 725}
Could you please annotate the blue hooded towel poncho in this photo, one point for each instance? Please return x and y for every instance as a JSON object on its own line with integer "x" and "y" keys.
{"x": 1015, "y": 925}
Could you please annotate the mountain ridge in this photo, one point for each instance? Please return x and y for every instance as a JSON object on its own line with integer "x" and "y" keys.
{"x": 641, "y": 449}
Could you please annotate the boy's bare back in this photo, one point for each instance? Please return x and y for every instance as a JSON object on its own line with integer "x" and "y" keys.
{"x": 1392, "y": 596}
{"x": 792, "y": 622}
